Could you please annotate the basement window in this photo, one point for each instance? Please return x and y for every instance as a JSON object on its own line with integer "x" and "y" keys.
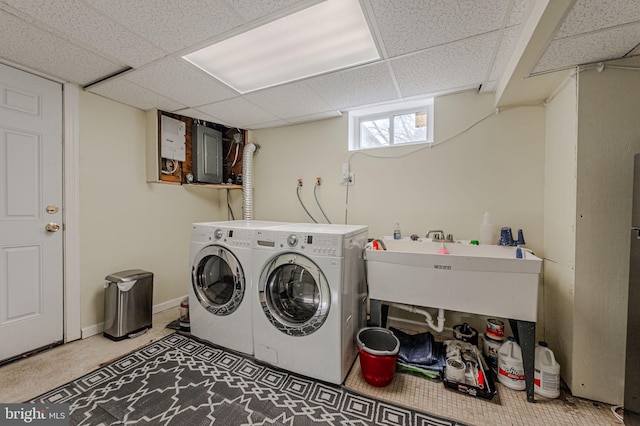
{"x": 397, "y": 124}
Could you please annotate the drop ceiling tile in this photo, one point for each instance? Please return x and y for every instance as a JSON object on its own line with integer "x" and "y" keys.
{"x": 635, "y": 51}
{"x": 195, "y": 113}
{"x": 419, "y": 24}
{"x": 587, "y": 48}
{"x": 456, "y": 65}
{"x": 354, "y": 87}
{"x": 289, "y": 100}
{"x": 508, "y": 42}
{"x": 76, "y": 20}
{"x": 177, "y": 79}
{"x": 238, "y": 112}
{"x": 519, "y": 12}
{"x": 27, "y": 45}
{"x": 128, "y": 93}
{"x": 489, "y": 87}
{"x": 250, "y": 10}
{"x": 278, "y": 123}
{"x": 313, "y": 117}
{"x": 171, "y": 25}
{"x": 593, "y": 15}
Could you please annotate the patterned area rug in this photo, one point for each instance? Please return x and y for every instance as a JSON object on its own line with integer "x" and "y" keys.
{"x": 181, "y": 381}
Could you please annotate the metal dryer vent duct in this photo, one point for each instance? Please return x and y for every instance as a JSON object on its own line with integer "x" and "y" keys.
{"x": 247, "y": 180}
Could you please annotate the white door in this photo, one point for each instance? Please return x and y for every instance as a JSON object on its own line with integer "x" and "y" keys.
{"x": 31, "y": 292}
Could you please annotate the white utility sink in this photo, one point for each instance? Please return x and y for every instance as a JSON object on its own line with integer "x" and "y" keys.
{"x": 481, "y": 279}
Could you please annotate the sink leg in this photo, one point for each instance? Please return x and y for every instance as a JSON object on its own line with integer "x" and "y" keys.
{"x": 385, "y": 315}
{"x": 525, "y": 334}
{"x": 379, "y": 313}
{"x": 375, "y": 306}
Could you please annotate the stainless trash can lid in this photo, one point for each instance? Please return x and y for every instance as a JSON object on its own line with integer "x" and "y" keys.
{"x": 128, "y": 275}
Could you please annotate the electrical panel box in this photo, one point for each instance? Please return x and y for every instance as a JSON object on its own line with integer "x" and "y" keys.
{"x": 173, "y": 138}
{"x": 206, "y": 154}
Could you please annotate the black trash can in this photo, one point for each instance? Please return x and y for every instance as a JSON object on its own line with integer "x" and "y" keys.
{"x": 128, "y": 303}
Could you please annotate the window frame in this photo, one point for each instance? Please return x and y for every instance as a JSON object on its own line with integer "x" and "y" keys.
{"x": 389, "y": 112}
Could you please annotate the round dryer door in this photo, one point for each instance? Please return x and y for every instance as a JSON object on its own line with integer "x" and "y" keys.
{"x": 218, "y": 280}
{"x": 294, "y": 294}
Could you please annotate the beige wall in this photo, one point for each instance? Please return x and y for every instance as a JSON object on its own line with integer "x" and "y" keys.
{"x": 592, "y": 134}
{"x": 497, "y": 166}
{"x": 126, "y": 223}
{"x": 559, "y": 225}
{"x": 608, "y": 137}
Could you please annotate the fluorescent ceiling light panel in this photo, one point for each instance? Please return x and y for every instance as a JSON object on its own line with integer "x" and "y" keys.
{"x": 325, "y": 37}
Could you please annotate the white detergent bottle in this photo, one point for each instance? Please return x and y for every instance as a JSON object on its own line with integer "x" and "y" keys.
{"x": 486, "y": 230}
{"x": 510, "y": 367}
{"x": 546, "y": 377}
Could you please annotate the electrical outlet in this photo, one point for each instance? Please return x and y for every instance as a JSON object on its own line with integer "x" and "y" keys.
{"x": 348, "y": 179}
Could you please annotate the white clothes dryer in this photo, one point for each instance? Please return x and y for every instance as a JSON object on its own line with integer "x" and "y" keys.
{"x": 220, "y": 305}
{"x": 310, "y": 296}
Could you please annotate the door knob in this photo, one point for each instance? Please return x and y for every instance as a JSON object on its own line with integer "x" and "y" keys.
{"x": 52, "y": 227}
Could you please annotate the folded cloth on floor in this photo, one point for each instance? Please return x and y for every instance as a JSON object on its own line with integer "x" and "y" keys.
{"x": 434, "y": 371}
{"x": 420, "y": 349}
{"x": 436, "y": 367}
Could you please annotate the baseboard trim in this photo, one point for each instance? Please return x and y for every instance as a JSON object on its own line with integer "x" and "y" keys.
{"x": 168, "y": 304}
{"x": 94, "y": 329}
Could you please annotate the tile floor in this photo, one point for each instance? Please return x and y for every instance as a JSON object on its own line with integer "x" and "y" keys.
{"x": 508, "y": 407}
{"x": 27, "y": 378}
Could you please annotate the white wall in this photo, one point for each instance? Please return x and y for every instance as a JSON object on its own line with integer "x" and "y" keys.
{"x": 592, "y": 134}
{"x": 608, "y": 137}
{"x": 559, "y": 225}
{"x": 497, "y": 166}
{"x": 126, "y": 223}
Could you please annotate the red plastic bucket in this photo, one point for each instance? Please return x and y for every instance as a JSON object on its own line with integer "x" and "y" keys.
{"x": 378, "y": 349}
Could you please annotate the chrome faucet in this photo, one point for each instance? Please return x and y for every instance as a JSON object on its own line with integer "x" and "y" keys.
{"x": 439, "y": 237}
{"x": 438, "y": 234}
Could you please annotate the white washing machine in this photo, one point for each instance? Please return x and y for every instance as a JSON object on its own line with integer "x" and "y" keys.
{"x": 220, "y": 302}
{"x": 310, "y": 298}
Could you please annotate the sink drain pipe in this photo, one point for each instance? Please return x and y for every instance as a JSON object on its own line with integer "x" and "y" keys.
{"x": 428, "y": 318}
{"x": 247, "y": 180}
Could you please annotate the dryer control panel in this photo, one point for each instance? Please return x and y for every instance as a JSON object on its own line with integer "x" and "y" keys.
{"x": 201, "y": 233}
{"x": 234, "y": 237}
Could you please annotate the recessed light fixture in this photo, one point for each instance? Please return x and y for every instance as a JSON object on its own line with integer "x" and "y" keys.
{"x": 328, "y": 36}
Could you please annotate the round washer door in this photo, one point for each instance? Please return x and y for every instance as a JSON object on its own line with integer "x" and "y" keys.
{"x": 294, "y": 294}
{"x": 218, "y": 280}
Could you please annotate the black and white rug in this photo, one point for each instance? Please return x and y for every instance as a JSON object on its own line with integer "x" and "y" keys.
{"x": 181, "y": 381}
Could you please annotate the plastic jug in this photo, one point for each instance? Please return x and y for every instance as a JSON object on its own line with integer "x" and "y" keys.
{"x": 397, "y": 235}
{"x": 510, "y": 367}
{"x": 546, "y": 377}
{"x": 486, "y": 230}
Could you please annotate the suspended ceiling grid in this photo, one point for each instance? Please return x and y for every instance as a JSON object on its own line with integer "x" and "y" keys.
{"x": 428, "y": 47}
